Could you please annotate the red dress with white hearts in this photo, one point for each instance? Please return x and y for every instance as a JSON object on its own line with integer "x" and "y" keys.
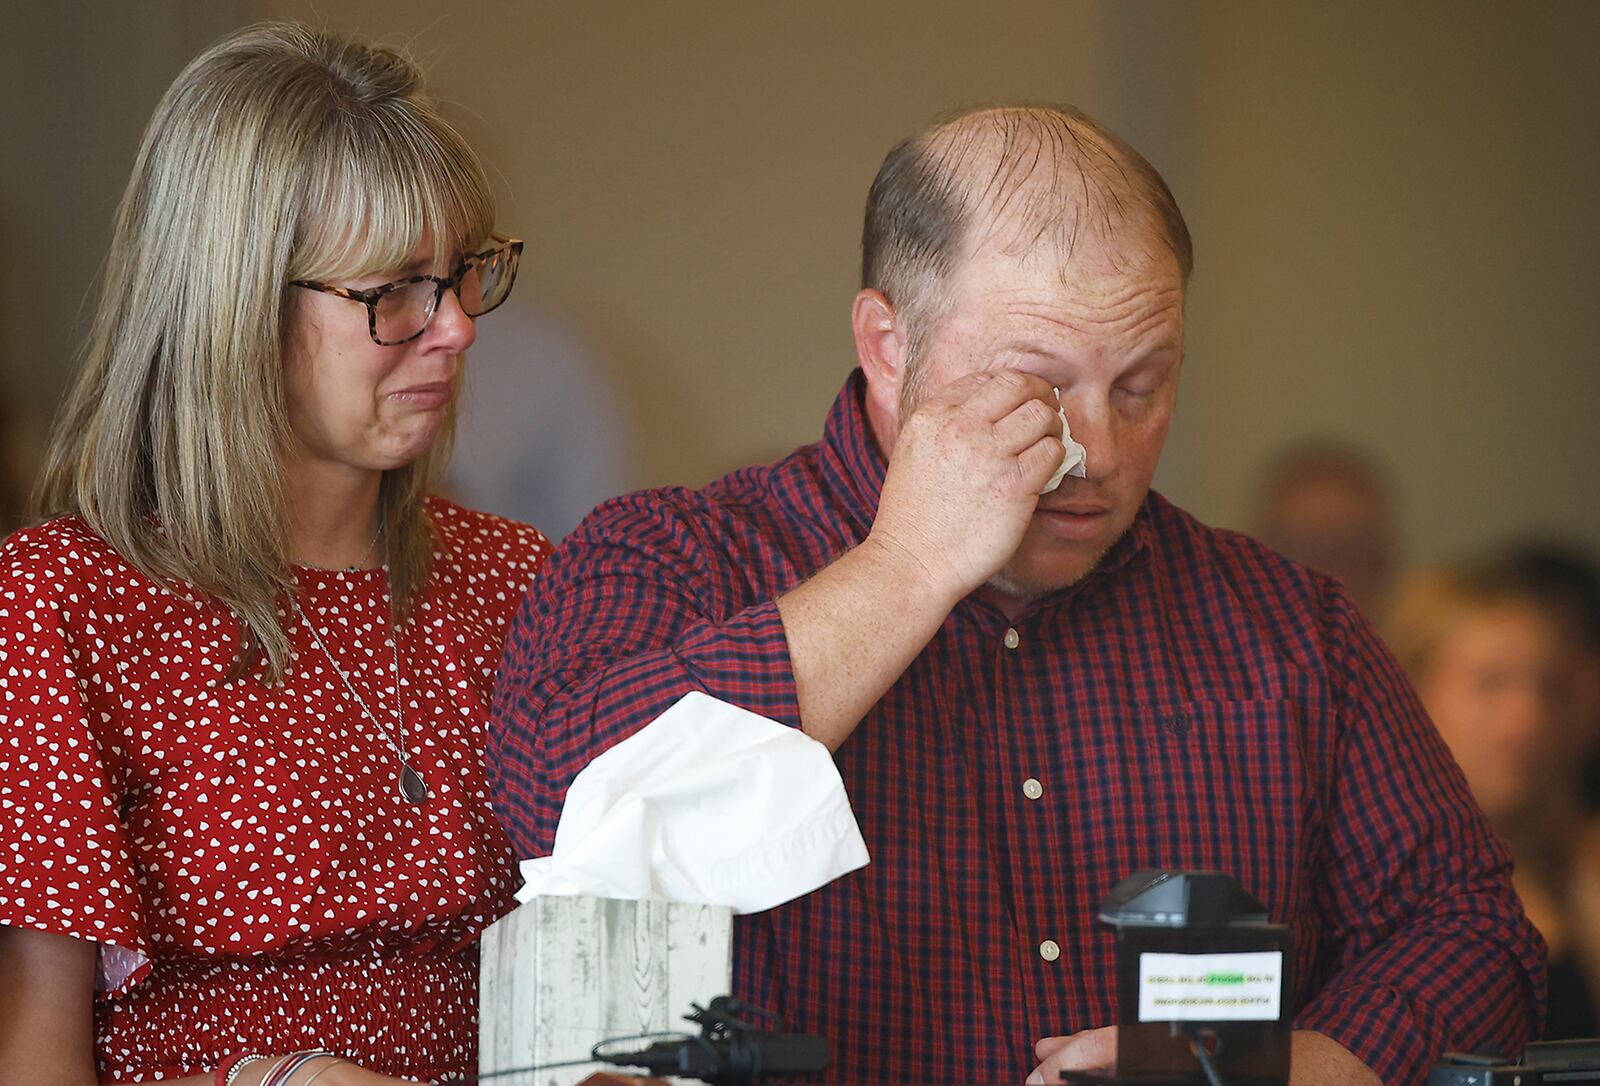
{"x": 238, "y": 850}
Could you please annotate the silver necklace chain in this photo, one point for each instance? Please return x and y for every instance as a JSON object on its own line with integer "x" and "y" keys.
{"x": 409, "y": 784}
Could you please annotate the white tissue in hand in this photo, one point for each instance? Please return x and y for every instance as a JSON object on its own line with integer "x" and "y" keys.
{"x": 1075, "y": 462}
{"x": 707, "y": 804}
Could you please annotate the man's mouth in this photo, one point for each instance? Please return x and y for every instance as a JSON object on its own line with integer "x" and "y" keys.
{"x": 1077, "y": 509}
{"x": 1076, "y": 522}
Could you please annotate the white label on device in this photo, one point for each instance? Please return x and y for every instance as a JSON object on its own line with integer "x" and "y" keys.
{"x": 1210, "y": 987}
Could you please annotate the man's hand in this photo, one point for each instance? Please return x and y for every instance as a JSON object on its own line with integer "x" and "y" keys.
{"x": 965, "y": 475}
{"x": 1315, "y": 1059}
{"x": 1088, "y": 1050}
{"x": 963, "y": 483}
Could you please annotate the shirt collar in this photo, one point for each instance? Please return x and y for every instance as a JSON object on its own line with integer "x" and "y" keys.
{"x": 853, "y": 468}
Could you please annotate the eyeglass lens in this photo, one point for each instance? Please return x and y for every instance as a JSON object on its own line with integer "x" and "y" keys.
{"x": 403, "y": 313}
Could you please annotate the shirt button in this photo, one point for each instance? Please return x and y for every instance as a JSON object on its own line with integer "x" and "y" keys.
{"x": 1032, "y": 788}
{"x": 1049, "y": 951}
{"x": 1013, "y": 639}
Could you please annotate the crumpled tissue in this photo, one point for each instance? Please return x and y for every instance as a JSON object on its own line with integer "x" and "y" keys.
{"x": 707, "y": 804}
{"x": 1075, "y": 463}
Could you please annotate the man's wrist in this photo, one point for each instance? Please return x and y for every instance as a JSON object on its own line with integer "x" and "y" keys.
{"x": 1315, "y": 1059}
{"x": 918, "y": 582}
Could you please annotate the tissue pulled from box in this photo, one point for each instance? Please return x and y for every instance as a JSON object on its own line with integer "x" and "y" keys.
{"x": 1075, "y": 463}
{"x": 707, "y": 804}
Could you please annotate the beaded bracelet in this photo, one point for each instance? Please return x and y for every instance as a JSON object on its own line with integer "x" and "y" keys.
{"x": 228, "y": 1070}
{"x": 281, "y": 1074}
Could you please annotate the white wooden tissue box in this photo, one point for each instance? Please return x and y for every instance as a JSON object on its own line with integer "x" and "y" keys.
{"x": 562, "y": 973}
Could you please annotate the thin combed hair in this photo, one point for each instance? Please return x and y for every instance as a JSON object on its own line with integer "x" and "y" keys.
{"x": 280, "y": 153}
{"x": 1015, "y": 177}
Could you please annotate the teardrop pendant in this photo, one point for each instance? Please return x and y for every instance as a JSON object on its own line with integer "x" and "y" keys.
{"x": 411, "y": 786}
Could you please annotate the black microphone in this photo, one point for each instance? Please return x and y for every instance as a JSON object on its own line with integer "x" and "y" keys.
{"x": 740, "y": 1058}
{"x": 730, "y": 1051}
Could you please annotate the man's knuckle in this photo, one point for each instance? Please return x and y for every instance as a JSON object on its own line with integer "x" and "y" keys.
{"x": 1038, "y": 413}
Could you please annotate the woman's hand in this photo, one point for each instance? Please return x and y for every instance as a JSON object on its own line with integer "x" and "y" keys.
{"x": 348, "y": 1074}
{"x": 328, "y": 1071}
{"x": 47, "y": 1020}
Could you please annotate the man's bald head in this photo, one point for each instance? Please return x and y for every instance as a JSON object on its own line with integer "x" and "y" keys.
{"x": 1025, "y": 182}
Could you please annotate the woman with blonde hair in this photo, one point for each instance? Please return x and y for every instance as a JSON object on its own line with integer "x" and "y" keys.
{"x": 245, "y": 661}
{"x": 1484, "y": 647}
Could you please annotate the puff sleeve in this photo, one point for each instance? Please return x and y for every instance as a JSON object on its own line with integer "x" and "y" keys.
{"x": 65, "y": 861}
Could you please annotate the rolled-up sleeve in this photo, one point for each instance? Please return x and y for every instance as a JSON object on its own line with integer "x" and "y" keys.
{"x": 1425, "y": 946}
{"x": 638, "y": 607}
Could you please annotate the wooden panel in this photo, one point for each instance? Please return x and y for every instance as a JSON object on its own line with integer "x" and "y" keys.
{"x": 563, "y": 973}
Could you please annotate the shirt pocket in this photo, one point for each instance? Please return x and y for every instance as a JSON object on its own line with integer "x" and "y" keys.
{"x": 1225, "y": 788}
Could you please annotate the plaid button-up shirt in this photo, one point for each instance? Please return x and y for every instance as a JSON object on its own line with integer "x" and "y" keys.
{"x": 1197, "y": 701}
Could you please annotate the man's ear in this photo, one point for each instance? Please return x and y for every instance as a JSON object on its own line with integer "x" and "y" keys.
{"x": 881, "y": 350}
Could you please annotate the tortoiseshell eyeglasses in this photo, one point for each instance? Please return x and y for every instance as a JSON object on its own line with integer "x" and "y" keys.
{"x": 400, "y": 311}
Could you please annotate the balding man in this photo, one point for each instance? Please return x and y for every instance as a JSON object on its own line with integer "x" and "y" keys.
{"x": 1028, "y": 697}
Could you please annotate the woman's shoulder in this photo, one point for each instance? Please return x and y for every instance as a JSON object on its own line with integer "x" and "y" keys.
{"x": 488, "y": 544}
{"x": 58, "y": 576}
{"x": 64, "y": 549}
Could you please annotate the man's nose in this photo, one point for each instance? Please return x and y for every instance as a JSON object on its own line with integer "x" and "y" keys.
{"x": 1091, "y": 422}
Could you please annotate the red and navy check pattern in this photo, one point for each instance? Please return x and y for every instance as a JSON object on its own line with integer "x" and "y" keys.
{"x": 1196, "y": 702}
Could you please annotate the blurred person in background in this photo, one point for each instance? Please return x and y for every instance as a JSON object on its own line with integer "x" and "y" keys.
{"x": 244, "y": 831}
{"x": 1567, "y": 579}
{"x": 1327, "y": 505}
{"x": 1489, "y": 656}
{"x": 545, "y": 434}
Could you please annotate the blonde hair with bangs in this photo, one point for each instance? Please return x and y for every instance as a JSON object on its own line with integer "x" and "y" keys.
{"x": 279, "y": 153}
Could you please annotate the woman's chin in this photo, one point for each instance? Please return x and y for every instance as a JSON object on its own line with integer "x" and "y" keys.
{"x": 407, "y": 448}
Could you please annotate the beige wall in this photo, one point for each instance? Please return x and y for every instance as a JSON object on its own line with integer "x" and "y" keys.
{"x": 1392, "y": 204}
{"x": 1399, "y": 232}
{"x": 82, "y": 80}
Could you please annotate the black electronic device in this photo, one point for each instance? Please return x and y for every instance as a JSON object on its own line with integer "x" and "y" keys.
{"x": 1564, "y": 1062}
{"x": 1542, "y": 1063}
{"x": 1459, "y": 1069}
{"x": 730, "y": 1051}
{"x": 1202, "y": 984}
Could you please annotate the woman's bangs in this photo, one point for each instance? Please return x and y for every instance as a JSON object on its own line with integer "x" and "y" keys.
{"x": 387, "y": 190}
{"x": 458, "y": 207}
